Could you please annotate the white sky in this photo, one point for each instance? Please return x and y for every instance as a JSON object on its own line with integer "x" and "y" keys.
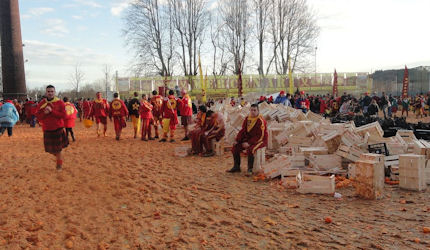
{"x": 356, "y": 36}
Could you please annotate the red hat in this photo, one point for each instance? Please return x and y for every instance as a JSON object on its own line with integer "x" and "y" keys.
{"x": 282, "y": 92}
{"x": 9, "y": 101}
{"x": 302, "y": 92}
{"x": 261, "y": 98}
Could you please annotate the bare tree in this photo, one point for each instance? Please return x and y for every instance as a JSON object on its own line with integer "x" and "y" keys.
{"x": 219, "y": 65}
{"x": 190, "y": 18}
{"x": 149, "y": 31}
{"x": 235, "y": 31}
{"x": 76, "y": 78}
{"x": 293, "y": 33}
{"x": 261, "y": 11}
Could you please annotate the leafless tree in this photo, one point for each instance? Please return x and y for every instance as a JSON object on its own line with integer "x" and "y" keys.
{"x": 76, "y": 78}
{"x": 293, "y": 33}
{"x": 235, "y": 31}
{"x": 190, "y": 19}
{"x": 261, "y": 11}
{"x": 149, "y": 31}
{"x": 219, "y": 65}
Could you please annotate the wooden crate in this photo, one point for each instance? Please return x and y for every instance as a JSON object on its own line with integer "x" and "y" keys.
{"x": 351, "y": 171}
{"x": 313, "y": 150}
{"x": 412, "y": 172}
{"x": 274, "y": 168}
{"x": 374, "y": 130}
{"x": 351, "y": 153}
{"x": 332, "y": 141}
{"x": 272, "y": 143}
{"x": 392, "y": 161}
{"x": 313, "y": 184}
{"x": 259, "y": 160}
{"x": 369, "y": 179}
{"x": 325, "y": 162}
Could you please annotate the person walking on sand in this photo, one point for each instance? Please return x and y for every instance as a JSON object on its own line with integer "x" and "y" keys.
{"x": 146, "y": 116}
{"x": 51, "y": 111}
{"x": 119, "y": 112}
{"x": 100, "y": 111}
{"x": 69, "y": 121}
{"x": 186, "y": 111}
{"x": 170, "y": 116}
{"x": 133, "y": 109}
{"x": 9, "y": 116}
{"x": 156, "y": 102}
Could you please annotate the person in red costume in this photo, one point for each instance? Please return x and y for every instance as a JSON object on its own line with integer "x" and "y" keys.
{"x": 51, "y": 111}
{"x": 156, "y": 102}
{"x": 170, "y": 116}
{"x": 251, "y": 137}
{"x": 69, "y": 120}
{"x": 146, "y": 116}
{"x": 186, "y": 111}
{"x": 86, "y": 108}
{"x": 199, "y": 129}
{"x": 215, "y": 130}
{"x": 118, "y": 110}
{"x": 100, "y": 111}
{"x": 30, "y": 119}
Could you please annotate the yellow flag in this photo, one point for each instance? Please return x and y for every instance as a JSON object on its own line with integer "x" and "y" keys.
{"x": 290, "y": 76}
{"x": 202, "y": 81}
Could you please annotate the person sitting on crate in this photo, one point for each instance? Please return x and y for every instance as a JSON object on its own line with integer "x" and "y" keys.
{"x": 215, "y": 130}
{"x": 251, "y": 137}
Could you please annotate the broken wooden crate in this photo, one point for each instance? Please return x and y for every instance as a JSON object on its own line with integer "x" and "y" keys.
{"x": 313, "y": 184}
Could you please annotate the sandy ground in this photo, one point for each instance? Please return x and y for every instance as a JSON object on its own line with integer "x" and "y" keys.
{"x": 137, "y": 195}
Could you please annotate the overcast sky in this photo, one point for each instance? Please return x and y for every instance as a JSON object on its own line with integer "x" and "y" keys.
{"x": 356, "y": 36}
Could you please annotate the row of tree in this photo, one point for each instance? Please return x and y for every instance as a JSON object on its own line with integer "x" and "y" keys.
{"x": 169, "y": 35}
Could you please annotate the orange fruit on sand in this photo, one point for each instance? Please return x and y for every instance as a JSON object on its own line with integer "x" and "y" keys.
{"x": 426, "y": 230}
{"x": 328, "y": 220}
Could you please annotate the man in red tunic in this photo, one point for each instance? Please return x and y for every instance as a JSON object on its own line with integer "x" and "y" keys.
{"x": 69, "y": 120}
{"x": 146, "y": 116}
{"x": 199, "y": 129}
{"x": 119, "y": 112}
{"x": 170, "y": 116}
{"x": 186, "y": 111}
{"x": 86, "y": 108}
{"x": 27, "y": 109}
{"x": 215, "y": 130}
{"x": 251, "y": 137}
{"x": 156, "y": 102}
{"x": 100, "y": 111}
{"x": 51, "y": 112}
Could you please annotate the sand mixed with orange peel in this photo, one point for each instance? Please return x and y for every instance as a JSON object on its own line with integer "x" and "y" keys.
{"x": 138, "y": 195}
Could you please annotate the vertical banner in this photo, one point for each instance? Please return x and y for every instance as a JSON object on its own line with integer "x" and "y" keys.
{"x": 290, "y": 77}
{"x": 202, "y": 82}
{"x": 335, "y": 84}
{"x": 405, "y": 83}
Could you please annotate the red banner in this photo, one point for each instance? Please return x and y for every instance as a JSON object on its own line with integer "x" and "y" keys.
{"x": 405, "y": 83}
{"x": 335, "y": 84}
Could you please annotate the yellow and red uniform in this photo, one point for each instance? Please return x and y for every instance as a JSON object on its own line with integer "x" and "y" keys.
{"x": 185, "y": 109}
{"x": 156, "y": 102}
{"x": 197, "y": 132}
{"x": 254, "y": 132}
{"x": 170, "y": 116}
{"x": 86, "y": 109}
{"x": 54, "y": 136}
{"x": 215, "y": 130}
{"x": 100, "y": 110}
{"x": 146, "y": 116}
{"x": 69, "y": 120}
{"x": 119, "y": 112}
